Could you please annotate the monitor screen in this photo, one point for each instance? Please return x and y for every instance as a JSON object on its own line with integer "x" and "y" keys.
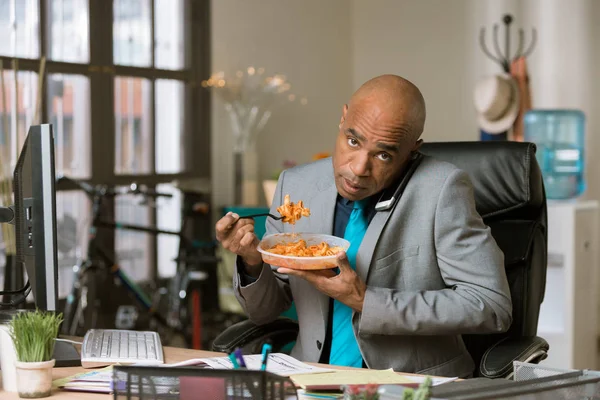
{"x": 35, "y": 215}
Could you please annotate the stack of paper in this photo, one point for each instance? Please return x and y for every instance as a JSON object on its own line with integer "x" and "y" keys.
{"x": 334, "y": 380}
{"x": 329, "y": 385}
{"x": 278, "y": 363}
{"x": 310, "y": 395}
{"x": 315, "y": 382}
{"x": 98, "y": 381}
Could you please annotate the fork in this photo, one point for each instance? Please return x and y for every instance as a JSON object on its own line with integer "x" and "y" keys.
{"x": 262, "y": 215}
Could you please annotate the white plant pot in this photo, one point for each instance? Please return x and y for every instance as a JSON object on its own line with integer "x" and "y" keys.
{"x": 34, "y": 379}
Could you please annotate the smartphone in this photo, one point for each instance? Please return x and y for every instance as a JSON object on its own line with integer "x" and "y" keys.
{"x": 391, "y": 195}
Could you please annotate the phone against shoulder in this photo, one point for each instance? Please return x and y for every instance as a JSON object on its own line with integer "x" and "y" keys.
{"x": 391, "y": 195}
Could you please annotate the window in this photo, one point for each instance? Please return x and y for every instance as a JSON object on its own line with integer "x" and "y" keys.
{"x": 169, "y": 219}
{"x": 169, "y": 126}
{"x": 131, "y": 247}
{"x": 169, "y": 34}
{"x": 17, "y": 110}
{"x": 124, "y": 92}
{"x": 131, "y": 29}
{"x": 19, "y": 28}
{"x": 133, "y": 146}
{"x": 69, "y": 112}
{"x": 68, "y": 30}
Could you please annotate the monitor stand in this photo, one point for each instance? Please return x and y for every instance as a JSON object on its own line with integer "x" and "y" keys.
{"x": 66, "y": 355}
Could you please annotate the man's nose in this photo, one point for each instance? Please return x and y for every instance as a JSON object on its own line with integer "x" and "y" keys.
{"x": 360, "y": 165}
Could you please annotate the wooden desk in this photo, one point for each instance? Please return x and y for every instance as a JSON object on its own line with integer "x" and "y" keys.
{"x": 171, "y": 354}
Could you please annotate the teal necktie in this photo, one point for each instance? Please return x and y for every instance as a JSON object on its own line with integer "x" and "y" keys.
{"x": 344, "y": 348}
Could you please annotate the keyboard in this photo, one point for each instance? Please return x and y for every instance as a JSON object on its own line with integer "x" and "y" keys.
{"x": 103, "y": 347}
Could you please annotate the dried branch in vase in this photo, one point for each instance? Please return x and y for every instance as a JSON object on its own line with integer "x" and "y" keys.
{"x": 250, "y": 97}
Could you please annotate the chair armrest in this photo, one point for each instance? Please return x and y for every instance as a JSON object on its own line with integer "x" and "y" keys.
{"x": 250, "y": 337}
{"x": 497, "y": 362}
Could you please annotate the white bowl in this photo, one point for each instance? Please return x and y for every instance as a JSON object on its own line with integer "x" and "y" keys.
{"x": 292, "y": 262}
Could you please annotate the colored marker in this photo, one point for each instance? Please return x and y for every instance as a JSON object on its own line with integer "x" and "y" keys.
{"x": 234, "y": 361}
{"x": 240, "y": 357}
{"x": 266, "y": 350}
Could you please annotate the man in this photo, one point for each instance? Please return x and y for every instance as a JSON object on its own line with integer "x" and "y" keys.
{"x": 416, "y": 277}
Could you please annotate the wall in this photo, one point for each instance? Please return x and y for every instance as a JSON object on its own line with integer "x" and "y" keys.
{"x": 434, "y": 44}
{"x": 329, "y": 48}
{"x": 309, "y": 42}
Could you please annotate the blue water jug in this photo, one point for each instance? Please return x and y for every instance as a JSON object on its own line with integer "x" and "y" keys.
{"x": 560, "y": 139}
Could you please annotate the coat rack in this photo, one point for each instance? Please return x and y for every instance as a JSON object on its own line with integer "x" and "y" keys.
{"x": 505, "y": 59}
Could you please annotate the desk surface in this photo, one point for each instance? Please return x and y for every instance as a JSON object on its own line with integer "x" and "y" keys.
{"x": 171, "y": 354}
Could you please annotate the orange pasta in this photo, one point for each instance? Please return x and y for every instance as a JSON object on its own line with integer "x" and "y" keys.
{"x": 300, "y": 249}
{"x": 292, "y": 212}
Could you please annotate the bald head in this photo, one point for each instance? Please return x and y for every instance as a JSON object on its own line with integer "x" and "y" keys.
{"x": 378, "y": 136}
{"x": 395, "y": 96}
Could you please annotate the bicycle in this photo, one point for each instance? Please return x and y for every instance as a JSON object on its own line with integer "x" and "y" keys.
{"x": 91, "y": 303}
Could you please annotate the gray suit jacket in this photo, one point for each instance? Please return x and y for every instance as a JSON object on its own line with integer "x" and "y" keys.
{"x": 432, "y": 269}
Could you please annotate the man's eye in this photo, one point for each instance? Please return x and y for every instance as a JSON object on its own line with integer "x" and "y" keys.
{"x": 352, "y": 142}
{"x": 384, "y": 156}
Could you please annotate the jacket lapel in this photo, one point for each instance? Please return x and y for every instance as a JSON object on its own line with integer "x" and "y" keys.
{"x": 322, "y": 206}
{"x": 322, "y": 210}
{"x": 366, "y": 250}
{"x": 367, "y": 246}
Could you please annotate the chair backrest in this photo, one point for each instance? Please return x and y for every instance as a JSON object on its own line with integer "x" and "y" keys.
{"x": 510, "y": 196}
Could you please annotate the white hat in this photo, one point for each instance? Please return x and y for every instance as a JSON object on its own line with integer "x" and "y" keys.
{"x": 497, "y": 103}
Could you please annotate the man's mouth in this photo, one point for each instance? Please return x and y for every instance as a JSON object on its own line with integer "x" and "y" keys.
{"x": 351, "y": 187}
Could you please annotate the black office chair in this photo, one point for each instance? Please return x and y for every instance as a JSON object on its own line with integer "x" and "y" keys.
{"x": 510, "y": 196}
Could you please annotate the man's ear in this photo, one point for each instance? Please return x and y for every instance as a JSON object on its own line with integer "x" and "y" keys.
{"x": 417, "y": 146}
{"x": 344, "y": 111}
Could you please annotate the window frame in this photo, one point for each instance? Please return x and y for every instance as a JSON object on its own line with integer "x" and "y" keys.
{"x": 101, "y": 71}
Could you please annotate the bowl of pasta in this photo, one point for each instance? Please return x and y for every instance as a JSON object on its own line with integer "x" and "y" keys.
{"x": 302, "y": 250}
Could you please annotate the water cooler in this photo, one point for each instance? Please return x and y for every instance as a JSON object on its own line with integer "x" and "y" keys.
{"x": 560, "y": 139}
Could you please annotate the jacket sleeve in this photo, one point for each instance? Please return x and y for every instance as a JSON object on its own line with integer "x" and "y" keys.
{"x": 268, "y": 296}
{"x": 477, "y": 296}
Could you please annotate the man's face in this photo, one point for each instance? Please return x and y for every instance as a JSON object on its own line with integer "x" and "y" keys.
{"x": 371, "y": 150}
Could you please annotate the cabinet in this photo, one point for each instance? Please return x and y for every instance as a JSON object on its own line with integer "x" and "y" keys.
{"x": 569, "y": 313}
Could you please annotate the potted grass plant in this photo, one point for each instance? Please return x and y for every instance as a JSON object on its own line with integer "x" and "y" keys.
{"x": 33, "y": 335}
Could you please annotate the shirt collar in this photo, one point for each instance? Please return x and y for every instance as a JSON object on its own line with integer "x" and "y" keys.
{"x": 349, "y": 203}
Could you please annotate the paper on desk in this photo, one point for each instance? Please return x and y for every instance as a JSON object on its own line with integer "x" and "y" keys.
{"x": 279, "y": 363}
{"x": 310, "y": 395}
{"x": 334, "y": 380}
{"x": 434, "y": 381}
{"x": 98, "y": 380}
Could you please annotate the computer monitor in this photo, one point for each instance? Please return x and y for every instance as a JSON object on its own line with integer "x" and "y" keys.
{"x": 35, "y": 215}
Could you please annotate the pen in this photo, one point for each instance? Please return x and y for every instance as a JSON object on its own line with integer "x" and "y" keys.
{"x": 240, "y": 357}
{"x": 234, "y": 361}
{"x": 266, "y": 350}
